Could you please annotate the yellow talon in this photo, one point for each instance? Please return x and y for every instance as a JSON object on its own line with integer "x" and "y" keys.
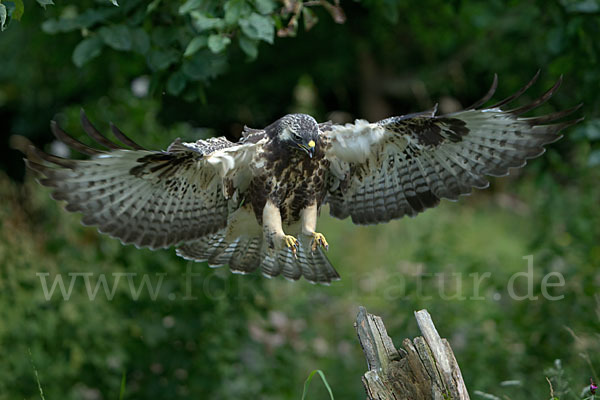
{"x": 291, "y": 243}
{"x": 319, "y": 240}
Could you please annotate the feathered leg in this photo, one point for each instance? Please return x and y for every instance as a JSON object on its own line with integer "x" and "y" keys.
{"x": 275, "y": 237}
{"x": 309, "y": 225}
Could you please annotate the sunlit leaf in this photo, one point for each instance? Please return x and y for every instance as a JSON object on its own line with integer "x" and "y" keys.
{"x": 195, "y": 44}
{"x": 218, "y": 43}
{"x": 234, "y": 10}
{"x": 115, "y": 2}
{"x": 190, "y": 5}
{"x": 201, "y": 22}
{"x": 258, "y": 27}
{"x": 265, "y": 6}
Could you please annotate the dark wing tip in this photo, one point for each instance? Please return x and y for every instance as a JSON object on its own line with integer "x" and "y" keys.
{"x": 95, "y": 133}
{"x": 487, "y": 96}
{"x": 553, "y": 116}
{"x": 124, "y": 139}
{"x": 539, "y": 101}
{"x": 72, "y": 142}
{"x": 519, "y": 92}
{"x": 34, "y": 152}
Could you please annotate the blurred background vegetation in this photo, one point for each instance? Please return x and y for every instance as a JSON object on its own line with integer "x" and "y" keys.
{"x": 193, "y": 69}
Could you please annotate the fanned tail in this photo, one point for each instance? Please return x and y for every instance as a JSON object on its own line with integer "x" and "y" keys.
{"x": 313, "y": 265}
{"x": 246, "y": 254}
{"x": 242, "y": 255}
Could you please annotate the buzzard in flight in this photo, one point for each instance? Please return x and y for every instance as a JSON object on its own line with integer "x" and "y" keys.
{"x": 254, "y": 204}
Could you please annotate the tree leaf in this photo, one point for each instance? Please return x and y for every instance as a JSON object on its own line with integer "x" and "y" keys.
{"x": 585, "y": 6}
{"x": 2, "y": 16}
{"x": 176, "y": 83}
{"x": 265, "y": 6}
{"x": 152, "y": 6}
{"x": 217, "y": 43}
{"x": 45, "y": 3}
{"x": 204, "y": 65}
{"x": 195, "y": 44}
{"x": 86, "y": 19}
{"x": 234, "y": 10}
{"x": 140, "y": 42}
{"x": 86, "y": 50}
{"x": 116, "y": 36}
{"x": 594, "y": 158}
{"x": 160, "y": 60}
{"x": 258, "y": 27}
{"x": 19, "y": 10}
{"x": 248, "y": 46}
{"x": 190, "y": 5}
{"x": 115, "y": 3}
{"x": 202, "y": 23}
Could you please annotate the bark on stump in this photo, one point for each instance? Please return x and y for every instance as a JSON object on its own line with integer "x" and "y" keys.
{"x": 424, "y": 369}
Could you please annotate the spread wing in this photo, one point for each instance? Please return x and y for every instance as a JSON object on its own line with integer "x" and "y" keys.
{"x": 147, "y": 198}
{"x": 404, "y": 165}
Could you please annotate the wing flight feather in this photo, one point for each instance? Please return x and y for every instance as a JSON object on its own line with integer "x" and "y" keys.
{"x": 146, "y": 198}
{"x": 404, "y": 165}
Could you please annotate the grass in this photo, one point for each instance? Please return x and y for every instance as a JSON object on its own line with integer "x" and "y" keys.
{"x": 309, "y": 379}
{"x": 37, "y": 377}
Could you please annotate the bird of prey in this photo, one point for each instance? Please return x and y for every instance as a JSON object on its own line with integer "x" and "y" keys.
{"x": 254, "y": 204}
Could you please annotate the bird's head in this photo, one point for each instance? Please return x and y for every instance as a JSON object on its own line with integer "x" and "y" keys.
{"x": 298, "y": 131}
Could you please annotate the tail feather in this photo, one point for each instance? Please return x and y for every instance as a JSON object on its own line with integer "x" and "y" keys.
{"x": 269, "y": 265}
{"x": 223, "y": 253}
{"x": 249, "y": 260}
{"x": 246, "y": 258}
{"x": 290, "y": 271}
{"x": 246, "y": 254}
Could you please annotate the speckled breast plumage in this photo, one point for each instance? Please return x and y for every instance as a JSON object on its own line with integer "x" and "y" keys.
{"x": 290, "y": 179}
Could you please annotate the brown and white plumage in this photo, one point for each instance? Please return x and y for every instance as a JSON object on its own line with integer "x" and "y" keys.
{"x": 404, "y": 165}
{"x": 254, "y": 204}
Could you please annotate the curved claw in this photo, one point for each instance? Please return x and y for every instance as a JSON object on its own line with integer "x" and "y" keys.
{"x": 292, "y": 244}
{"x": 319, "y": 240}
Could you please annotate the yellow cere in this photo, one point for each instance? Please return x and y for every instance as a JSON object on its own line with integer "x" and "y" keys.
{"x": 311, "y": 143}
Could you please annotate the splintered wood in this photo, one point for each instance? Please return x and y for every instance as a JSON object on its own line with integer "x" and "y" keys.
{"x": 424, "y": 369}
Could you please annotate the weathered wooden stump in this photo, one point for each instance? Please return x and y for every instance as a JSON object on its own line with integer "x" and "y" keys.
{"x": 425, "y": 369}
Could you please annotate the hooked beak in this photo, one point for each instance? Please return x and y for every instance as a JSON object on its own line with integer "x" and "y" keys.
{"x": 309, "y": 148}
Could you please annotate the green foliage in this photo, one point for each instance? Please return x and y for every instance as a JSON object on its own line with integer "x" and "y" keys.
{"x": 170, "y": 35}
